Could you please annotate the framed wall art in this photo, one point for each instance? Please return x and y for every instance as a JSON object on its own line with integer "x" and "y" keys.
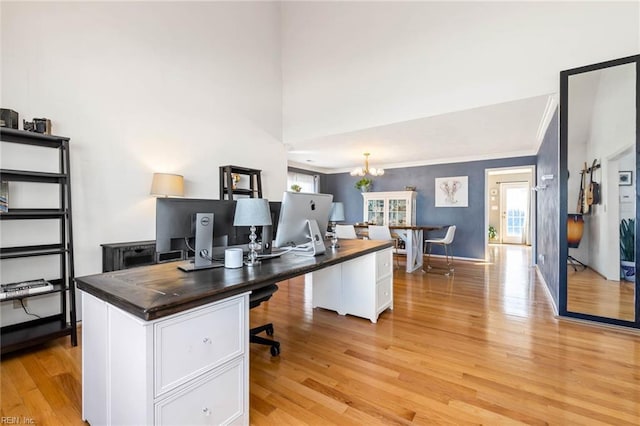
{"x": 624, "y": 178}
{"x": 452, "y": 191}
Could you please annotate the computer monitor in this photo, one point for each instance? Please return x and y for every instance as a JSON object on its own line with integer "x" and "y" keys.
{"x": 175, "y": 222}
{"x": 175, "y": 226}
{"x": 297, "y": 209}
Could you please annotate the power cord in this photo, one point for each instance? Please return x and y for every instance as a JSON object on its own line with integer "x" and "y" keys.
{"x": 27, "y": 312}
{"x": 203, "y": 253}
{"x": 186, "y": 243}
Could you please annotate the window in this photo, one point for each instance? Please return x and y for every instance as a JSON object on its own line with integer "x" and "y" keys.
{"x": 308, "y": 182}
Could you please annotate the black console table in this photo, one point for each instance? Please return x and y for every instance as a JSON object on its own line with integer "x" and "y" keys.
{"x": 127, "y": 255}
{"x": 117, "y": 256}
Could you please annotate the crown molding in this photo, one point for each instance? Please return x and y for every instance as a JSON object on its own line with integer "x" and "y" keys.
{"x": 310, "y": 168}
{"x": 431, "y": 162}
{"x": 550, "y": 109}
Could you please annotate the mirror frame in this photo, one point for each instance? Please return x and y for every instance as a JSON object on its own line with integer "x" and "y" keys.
{"x": 564, "y": 175}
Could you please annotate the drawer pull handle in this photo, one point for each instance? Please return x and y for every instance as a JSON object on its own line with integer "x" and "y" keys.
{"x": 206, "y": 411}
{"x": 206, "y": 340}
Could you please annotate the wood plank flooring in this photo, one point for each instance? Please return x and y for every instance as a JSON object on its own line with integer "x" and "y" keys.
{"x": 590, "y": 293}
{"x": 480, "y": 347}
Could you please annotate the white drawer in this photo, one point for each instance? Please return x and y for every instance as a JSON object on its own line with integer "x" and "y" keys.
{"x": 384, "y": 296}
{"x": 189, "y": 345}
{"x": 215, "y": 400}
{"x": 384, "y": 263}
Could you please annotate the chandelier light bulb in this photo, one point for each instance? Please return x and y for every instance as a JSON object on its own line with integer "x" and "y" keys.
{"x": 360, "y": 171}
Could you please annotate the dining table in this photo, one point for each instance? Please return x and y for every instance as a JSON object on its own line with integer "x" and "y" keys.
{"x": 413, "y": 238}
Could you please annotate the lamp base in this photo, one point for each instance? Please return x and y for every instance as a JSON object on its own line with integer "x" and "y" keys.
{"x": 252, "y": 263}
{"x": 334, "y": 238}
{"x": 252, "y": 257}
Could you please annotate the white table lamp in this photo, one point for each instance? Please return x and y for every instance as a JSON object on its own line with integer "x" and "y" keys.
{"x": 252, "y": 212}
{"x": 336, "y": 215}
{"x": 167, "y": 185}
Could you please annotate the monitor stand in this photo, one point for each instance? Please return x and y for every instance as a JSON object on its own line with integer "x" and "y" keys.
{"x": 316, "y": 246}
{"x": 204, "y": 245}
{"x": 188, "y": 266}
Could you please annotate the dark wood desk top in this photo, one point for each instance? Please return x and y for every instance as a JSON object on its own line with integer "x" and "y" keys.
{"x": 151, "y": 292}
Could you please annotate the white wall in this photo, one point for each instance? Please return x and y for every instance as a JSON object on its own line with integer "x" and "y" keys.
{"x": 612, "y": 132}
{"x": 355, "y": 65}
{"x": 145, "y": 87}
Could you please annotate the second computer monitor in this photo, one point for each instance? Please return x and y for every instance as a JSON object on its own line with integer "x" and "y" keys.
{"x": 296, "y": 209}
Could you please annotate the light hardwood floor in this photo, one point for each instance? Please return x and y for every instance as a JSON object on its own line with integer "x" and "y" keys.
{"x": 590, "y": 293}
{"x": 481, "y": 347}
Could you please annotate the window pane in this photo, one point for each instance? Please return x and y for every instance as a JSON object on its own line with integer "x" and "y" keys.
{"x": 308, "y": 183}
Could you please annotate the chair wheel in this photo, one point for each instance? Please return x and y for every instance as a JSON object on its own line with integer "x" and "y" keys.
{"x": 275, "y": 350}
{"x": 269, "y": 331}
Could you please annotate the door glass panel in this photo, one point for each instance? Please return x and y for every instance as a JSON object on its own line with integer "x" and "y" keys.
{"x": 516, "y": 212}
{"x": 514, "y": 201}
{"x": 397, "y": 212}
{"x": 375, "y": 212}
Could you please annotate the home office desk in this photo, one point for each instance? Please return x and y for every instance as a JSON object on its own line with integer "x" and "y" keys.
{"x": 162, "y": 346}
{"x": 413, "y": 237}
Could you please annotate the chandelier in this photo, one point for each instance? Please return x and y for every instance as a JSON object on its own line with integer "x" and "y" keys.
{"x": 363, "y": 171}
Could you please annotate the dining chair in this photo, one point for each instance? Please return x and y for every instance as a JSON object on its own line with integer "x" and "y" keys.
{"x": 347, "y": 232}
{"x": 382, "y": 232}
{"x": 446, "y": 243}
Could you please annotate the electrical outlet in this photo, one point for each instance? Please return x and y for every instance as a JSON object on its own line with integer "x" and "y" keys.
{"x": 541, "y": 259}
{"x": 18, "y": 305}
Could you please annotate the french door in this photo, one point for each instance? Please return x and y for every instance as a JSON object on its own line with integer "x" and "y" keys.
{"x": 514, "y": 207}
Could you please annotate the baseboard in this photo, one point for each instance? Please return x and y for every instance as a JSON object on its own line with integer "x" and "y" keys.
{"x": 466, "y": 259}
{"x": 547, "y": 292}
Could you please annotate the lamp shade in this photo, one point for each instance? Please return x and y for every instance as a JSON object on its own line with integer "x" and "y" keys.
{"x": 167, "y": 185}
{"x": 337, "y": 212}
{"x": 252, "y": 212}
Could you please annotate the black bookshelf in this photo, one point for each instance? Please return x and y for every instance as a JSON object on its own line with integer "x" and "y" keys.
{"x": 29, "y": 333}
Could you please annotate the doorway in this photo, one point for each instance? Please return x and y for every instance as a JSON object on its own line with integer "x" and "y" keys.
{"x": 514, "y": 208}
{"x": 503, "y": 187}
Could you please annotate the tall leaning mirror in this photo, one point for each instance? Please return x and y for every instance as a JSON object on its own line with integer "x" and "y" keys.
{"x": 599, "y": 167}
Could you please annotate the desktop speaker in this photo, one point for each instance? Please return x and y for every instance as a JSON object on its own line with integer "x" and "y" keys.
{"x": 267, "y": 239}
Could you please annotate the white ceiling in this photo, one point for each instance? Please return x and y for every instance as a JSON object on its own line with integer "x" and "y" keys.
{"x": 508, "y": 129}
{"x": 417, "y": 83}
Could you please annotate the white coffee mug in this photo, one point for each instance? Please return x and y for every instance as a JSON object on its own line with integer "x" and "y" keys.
{"x": 233, "y": 258}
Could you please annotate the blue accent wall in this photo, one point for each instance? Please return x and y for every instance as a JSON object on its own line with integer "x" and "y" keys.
{"x": 470, "y": 233}
{"x": 548, "y": 208}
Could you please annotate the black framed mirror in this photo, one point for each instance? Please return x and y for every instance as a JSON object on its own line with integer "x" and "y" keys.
{"x": 599, "y": 165}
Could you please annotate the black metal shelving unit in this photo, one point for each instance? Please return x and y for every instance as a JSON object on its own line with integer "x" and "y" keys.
{"x": 227, "y": 189}
{"x": 29, "y": 333}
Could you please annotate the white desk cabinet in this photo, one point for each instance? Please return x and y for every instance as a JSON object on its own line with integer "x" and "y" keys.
{"x": 187, "y": 368}
{"x": 362, "y": 287}
{"x": 390, "y": 208}
{"x": 148, "y": 359}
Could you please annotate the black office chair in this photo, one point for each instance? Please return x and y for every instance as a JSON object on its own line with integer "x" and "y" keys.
{"x": 257, "y": 297}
